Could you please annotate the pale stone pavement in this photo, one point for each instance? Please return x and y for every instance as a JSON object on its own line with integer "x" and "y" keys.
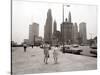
{"x": 32, "y": 62}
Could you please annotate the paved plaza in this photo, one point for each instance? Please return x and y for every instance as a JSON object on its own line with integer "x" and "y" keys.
{"x": 32, "y": 61}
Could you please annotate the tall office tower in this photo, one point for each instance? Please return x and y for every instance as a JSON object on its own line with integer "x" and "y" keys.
{"x": 54, "y": 36}
{"x": 83, "y": 32}
{"x": 33, "y": 32}
{"x": 48, "y": 28}
{"x": 69, "y": 17}
{"x": 54, "y": 27}
{"x": 75, "y": 33}
{"x": 67, "y": 30}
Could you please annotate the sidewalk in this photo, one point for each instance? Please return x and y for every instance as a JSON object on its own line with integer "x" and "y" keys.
{"x": 32, "y": 62}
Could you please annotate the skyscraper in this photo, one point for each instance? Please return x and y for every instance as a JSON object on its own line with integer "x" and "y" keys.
{"x": 82, "y": 31}
{"x": 33, "y": 32}
{"x": 67, "y": 30}
{"x": 54, "y": 27}
{"x": 75, "y": 33}
{"x": 69, "y": 17}
{"x": 48, "y": 28}
{"x": 56, "y": 34}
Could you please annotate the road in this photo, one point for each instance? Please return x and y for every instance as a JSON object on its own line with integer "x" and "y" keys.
{"x": 32, "y": 62}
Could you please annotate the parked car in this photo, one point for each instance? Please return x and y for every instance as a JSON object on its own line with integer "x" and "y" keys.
{"x": 71, "y": 49}
{"x": 94, "y": 51}
{"x": 42, "y": 46}
{"x": 75, "y": 45}
{"x": 93, "y": 46}
{"x": 65, "y": 49}
{"x": 76, "y": 50}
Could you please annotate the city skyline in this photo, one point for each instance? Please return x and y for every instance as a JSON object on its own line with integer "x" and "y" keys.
{"x": 28, "y": 15}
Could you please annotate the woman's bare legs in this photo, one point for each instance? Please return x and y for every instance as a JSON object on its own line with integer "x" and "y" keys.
{"x": 45, "y": 60}
{"x": 55, "y": 60}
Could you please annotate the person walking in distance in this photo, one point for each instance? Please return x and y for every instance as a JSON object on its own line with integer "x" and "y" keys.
{"x": 32, "y": 45}
{"x": 46, "y": 53}
{"x": 25, "y": 46}
{"x": 55, "y": 54}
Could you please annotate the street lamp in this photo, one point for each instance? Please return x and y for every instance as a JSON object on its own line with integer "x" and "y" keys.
{"x": 63, "y": 22}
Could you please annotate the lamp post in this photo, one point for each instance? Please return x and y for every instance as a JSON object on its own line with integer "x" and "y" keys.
{"x": 63, "y": 23}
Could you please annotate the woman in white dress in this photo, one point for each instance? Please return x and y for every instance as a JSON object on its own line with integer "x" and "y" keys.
{"x": 55, "y": 54}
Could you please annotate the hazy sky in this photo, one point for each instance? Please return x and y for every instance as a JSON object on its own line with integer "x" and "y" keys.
{"x": 25, "y": 13}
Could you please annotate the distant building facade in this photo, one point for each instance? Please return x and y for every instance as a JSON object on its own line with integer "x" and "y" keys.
{"x": 67, "y": 31}
{"x": 48, "y": 28}
{"x": 33, "y": 32}
{"x": 75, "y": 33}
{"x": 56, "y": 37}
{"x": 83, "y": 32}
{"x": 26, "y": 41}
{"x": 54, "y": 27}
{"x": 38, "y": 39}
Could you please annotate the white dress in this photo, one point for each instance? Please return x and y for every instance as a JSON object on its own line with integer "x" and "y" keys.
{"x": 55, "y": 52}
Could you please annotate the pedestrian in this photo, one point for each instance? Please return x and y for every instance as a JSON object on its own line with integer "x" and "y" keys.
{"x": 46, "y": 53}
{"x": 25, "y": 46}
{"x": 55, "y": 54}
{"x": 32, "y": 45}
